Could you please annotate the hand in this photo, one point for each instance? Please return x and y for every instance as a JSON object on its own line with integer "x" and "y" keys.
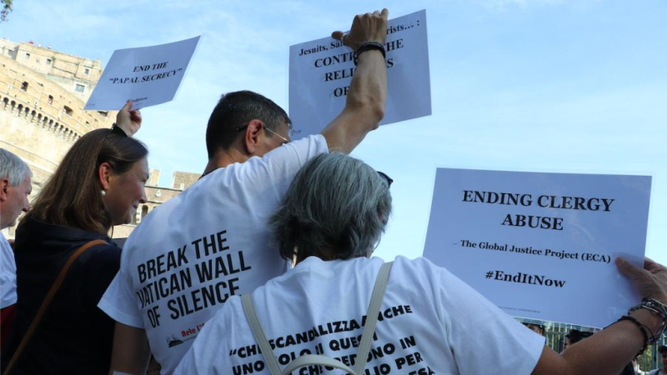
{"x": 369, "y": 27}
{"x": 651, "y": 282}
{"x": 129, "y": 121}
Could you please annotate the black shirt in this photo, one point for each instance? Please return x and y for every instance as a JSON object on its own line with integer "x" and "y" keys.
{"x": 74, "y": 336}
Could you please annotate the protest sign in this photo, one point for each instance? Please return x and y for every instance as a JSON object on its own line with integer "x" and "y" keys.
{"x": 147, "y": 75}
{"x": 320, "y": 72}
{"x": 541, "y": 245}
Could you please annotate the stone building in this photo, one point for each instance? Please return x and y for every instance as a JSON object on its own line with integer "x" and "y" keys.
{"x": 41, "y": 104}
{"x": 42, "y": 95}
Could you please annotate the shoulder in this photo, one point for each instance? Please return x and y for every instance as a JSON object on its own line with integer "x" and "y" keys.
{"x": 419, "y": 266}
{"x": 204, "y": 356}
{"x": 295, "y": 153}
{"x": 6, "y": 251}
{"x": 104, "y": 256}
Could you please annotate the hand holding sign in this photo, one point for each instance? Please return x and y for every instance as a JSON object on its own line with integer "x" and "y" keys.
{"x": 129, "y": 120}
{"x": 369, "y": 27}
{"x": 651, "y": 281}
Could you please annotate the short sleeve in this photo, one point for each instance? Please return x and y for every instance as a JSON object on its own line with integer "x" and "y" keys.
{"x": 279, "y": 166}
{"x": 119, "y": 303}
{"x": 7, "y": 274}
{"x": 207, "y": 353}
{"x": 482, "y": 336}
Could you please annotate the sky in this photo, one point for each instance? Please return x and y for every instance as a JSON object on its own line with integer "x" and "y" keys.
{"x": 522, "y": 85}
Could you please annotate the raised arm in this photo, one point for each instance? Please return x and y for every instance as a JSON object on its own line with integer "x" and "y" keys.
{"x": 367, "y": 97}
{"x": 608, "y": 351}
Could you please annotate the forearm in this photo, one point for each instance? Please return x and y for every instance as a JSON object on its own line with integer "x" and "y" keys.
{"x": 367, "y": 97}
{"x": 606, "y": 352}
{"x": 364, "y": 107}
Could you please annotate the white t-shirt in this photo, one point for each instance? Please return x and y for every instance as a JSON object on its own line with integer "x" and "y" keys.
{"x": 7, "y": 274}
{"x": 432, "y": 323}
{"x": 188, "y": 256}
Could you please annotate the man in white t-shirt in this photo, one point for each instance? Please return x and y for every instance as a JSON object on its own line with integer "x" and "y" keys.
{"x": 186, "y": 258}
{"x": 15, "y": 187}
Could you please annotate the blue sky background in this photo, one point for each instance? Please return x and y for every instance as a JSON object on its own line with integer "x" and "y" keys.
{"x": 528, "y": 85}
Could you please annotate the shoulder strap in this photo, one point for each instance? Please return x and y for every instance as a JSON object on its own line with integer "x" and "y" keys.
{"x": 47, "y": 301}
{"x": 260, "y": 337}
{"x": 372, "y": 317}
{"x": 315, "y": 359}
{"x": 311, "y": 359}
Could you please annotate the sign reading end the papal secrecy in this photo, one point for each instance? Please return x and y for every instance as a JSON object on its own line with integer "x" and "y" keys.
{"x": 320, "y": 72}
{"x": 542, "y": 245}
{"x": 148, "y": 76}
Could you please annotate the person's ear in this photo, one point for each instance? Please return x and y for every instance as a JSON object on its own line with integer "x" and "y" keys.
{"x": 104, "y": 172}
{"x": 251, "y": 139}
{"x": 4, "y": 189}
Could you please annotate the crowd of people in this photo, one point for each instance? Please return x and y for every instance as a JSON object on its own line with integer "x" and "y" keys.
{"x": 288, "y": 225}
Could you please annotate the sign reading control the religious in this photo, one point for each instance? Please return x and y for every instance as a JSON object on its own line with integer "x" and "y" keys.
{"x": 321, "y": 71}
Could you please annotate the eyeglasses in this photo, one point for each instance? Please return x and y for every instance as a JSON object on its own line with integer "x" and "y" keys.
{"x": 386, "y": 178}
{"x": 285, "y": 140}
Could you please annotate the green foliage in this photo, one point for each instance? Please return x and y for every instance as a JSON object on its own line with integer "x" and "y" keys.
{"x": 6, "y": 8}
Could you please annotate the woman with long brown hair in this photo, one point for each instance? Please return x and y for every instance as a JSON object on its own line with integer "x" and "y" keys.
{"x": 99, "y": 184}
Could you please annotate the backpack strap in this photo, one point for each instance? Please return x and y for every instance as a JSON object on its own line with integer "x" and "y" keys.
{"x": 312, "y": 359}
{"x": 47, "y": 301}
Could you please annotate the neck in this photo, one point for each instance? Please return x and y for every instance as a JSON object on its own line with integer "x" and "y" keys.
{"x": 224, "y": 158}
{"x": 326, "y": 254}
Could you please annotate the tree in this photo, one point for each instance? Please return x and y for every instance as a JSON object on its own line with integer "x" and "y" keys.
{"x": 6, "y": 8}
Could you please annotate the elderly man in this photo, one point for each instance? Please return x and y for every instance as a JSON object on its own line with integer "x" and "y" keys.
{"x": 15, "y": 187}
{"x": 191, "y": 254}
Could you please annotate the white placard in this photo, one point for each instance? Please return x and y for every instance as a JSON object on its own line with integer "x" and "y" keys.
{"x": 484, "y": 228}
{"x": 320, "y": 72}
{"x": 147, "y": 75}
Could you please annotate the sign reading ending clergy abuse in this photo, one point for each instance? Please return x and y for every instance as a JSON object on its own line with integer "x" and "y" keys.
{"x": 320, "y": 72}
{"x": 542, "y": 245}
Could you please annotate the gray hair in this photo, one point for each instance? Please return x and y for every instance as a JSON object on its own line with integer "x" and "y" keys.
{"x": 335, "y": 202}
{"x": 13, "y": 168}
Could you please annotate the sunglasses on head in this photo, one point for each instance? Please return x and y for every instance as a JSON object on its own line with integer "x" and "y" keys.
{"x": 386, "y": 178}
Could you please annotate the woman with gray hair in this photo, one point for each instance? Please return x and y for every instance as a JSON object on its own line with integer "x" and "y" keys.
{"x": 342, "y": 223}
{"x": 427, "y": 322}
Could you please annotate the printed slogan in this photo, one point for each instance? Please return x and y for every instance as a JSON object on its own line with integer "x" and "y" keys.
{"x": 206, "y": 263}
{"x": 334, "y": 339}
{"x": 541, "y": 245}
{"x": 321, "y": 72}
